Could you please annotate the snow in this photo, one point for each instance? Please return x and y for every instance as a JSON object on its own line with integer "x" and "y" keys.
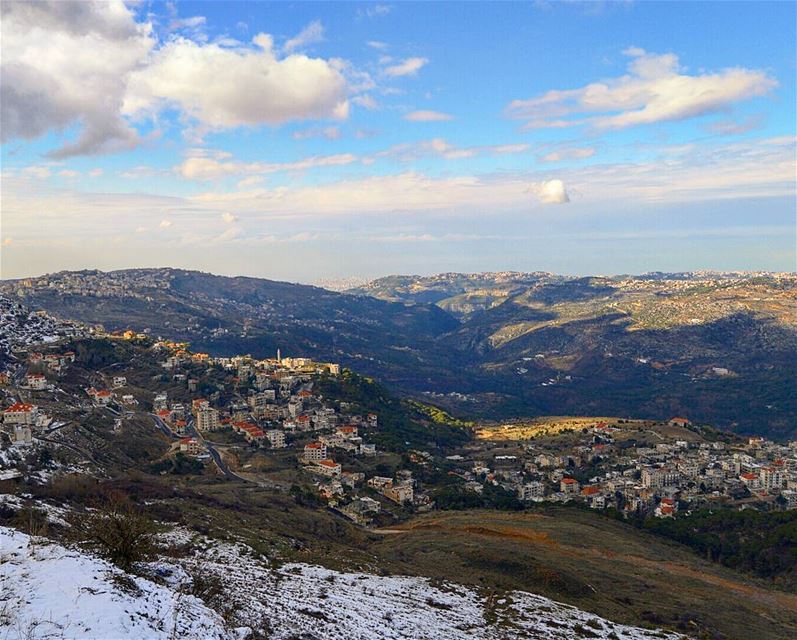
{"x": 301, "y": 598}
{"x": 49, "y": 592}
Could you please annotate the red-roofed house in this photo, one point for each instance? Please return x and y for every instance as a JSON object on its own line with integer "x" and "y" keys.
{"x": 315, "y": 451}
{"x": 20, "y": 413}
{"x": 191, "y": 446}
{"x": 569, "y": 485}
{"x": 327, "y": 467}
{"x": 590, "y": 491}
{"x": 679, "y": 422}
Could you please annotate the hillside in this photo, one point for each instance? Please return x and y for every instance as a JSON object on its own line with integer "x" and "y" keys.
{"x": 719, "y": 348}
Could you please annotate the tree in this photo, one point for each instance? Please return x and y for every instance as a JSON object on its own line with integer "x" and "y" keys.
{"x": 118, "y": 530}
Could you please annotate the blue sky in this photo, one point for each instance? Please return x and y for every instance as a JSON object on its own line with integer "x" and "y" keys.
{"x": 307, "y": 141}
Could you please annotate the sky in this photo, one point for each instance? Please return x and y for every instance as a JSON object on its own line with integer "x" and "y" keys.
{"x": 317, "y": 141}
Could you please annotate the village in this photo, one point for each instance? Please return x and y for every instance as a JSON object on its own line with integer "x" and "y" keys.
{"x": 272, "y": 410}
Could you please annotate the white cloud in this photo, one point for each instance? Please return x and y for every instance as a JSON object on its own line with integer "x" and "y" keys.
{"x": 38, "y": 171}
{"x": 409, "y": 152}
{"x": 165, "y": 224}
{"x": 408, "y": 67}
{"x": 656, "y": 89}
{"x": 96, "y": 173}
{"x": 223, "y": 88}
{"x": 68, "y": 173}
{"x": 330, "y": 133}
{"x": 311, "y": 34}
{"x": 377, "y": 44}
{"x": 229, "y": 218}
{"x": 65, "y": 63}
{"x": 207, "y": 168}
{"x": 250, "y": 181}
{"x": 428, "y": 116}
{"x": 568, "y": 153}
{"x": 732, "y": 127}
{"x": 374, "y": 11}
{"x": 366, "y": 102}
{"x": 551, "y": 192}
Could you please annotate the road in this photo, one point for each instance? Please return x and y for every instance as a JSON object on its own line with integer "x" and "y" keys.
{"x": 223, "y": 466}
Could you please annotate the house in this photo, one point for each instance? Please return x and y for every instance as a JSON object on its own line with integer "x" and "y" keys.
{"x": 207, "y": 418}
{"x": 399, "y": 493}
{"x": 678, "y": 422}
{"x": 22, "y": 435}
{"x": 667, "y": 508}
{"x": 590, "y": 491}
{"x": 315, "y": 451}
{"x": 20, "y": 413}
{"x": 119, "y": 381}
{"x": 368, "y": 449}
{"x": 373, "y": 420}
{"x": 36, "y": 381}
{"x": 569, "y": 486}
{"x": 347, "y": 431}
{"x": 190, "y": 446}
{"x": 534, "y": 490}
{"x": 327, "y": 467}
{"x": 380, "y": 482}
{"x": 102, "y": 397}
{"x": 276, "y": 438}
{"x": 773, "y": 478}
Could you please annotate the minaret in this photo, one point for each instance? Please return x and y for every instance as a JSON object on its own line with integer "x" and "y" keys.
{"x": 279, "y": 356}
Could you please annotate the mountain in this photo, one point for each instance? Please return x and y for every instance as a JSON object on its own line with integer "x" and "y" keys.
{"x": 228, "y": 316}
{"x": 720, "y": 348}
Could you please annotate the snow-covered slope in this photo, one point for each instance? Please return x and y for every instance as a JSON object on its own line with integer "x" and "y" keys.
{"x": 19, "y": 327}
{"x": 49, "y": 592}
{"x": 301, "y": 599}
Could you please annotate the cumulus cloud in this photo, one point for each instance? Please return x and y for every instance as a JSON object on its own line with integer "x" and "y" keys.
{"x": 313, "y": 33}
{"x": 428, "y": 116}
{"x": 90, "y": 63}
{"x": 67, "y": 62}
{"x": 408, "y": 67}
{"x": 551, "y": 192}
{"x": 223, "y": 88}
{"x": 229, "y": 218}
{"x": 165, "y": 224}
{"x": 655, "y": 89}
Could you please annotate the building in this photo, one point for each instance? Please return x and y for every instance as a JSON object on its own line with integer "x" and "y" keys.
{"x": 653, "y": 478}
{"x": 678, "y": 422}
{"x": 399, "y": 493}
{"x": 36, "y": 381}
{"x": 22, "y": 434}
{"x": 772, "y": 478}
{"x": 20, "y": 413}
{"x": 119, "y": 381}
{"x": 315, "y": 451}
{"x": 276, "y": 438}
{"x": 327, "y": 467}
{"x": 190, "y": 446}
{"x": 207, "y": 419}
{"x": 534, "y": 490}
{"x": 569, "y": 486}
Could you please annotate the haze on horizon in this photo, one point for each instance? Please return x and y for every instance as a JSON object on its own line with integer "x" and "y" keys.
{"x": 318, "y": 141}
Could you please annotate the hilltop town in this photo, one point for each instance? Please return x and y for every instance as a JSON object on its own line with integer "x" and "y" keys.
{"x": 270, "y": 422}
